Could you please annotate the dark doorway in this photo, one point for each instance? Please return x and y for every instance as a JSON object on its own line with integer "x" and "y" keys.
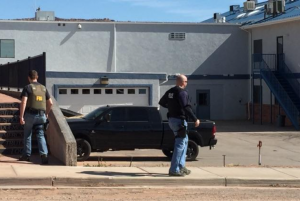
{"x": 203, "y": 104}
{"x": 256, "y": 93}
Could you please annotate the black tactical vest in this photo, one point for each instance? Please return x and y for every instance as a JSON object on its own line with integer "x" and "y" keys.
{"x": 174, "y": 107}
{"x": 37, "y": 100}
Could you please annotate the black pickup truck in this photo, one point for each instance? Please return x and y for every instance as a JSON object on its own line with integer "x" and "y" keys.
{"x": 134, "y": 127}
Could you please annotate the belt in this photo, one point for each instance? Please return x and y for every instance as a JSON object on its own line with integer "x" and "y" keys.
{"x": 34, "y": 111}
{"x": 177, "y": 117}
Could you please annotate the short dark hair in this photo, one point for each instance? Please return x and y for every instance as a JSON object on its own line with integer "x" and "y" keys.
{"x": 33, "y": 74}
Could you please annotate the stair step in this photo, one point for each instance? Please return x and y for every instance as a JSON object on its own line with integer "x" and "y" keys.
{"x": 18, "y": 142}
{"x": 9, "y": 119}
{"x": 15, "y": 150}
{"x": 12, "y": 135}
{"x": 9, "y": 111}
{"x": 11, "y": 126}
{"x": 9, "y": 105}
{"x": 13, "y": 131}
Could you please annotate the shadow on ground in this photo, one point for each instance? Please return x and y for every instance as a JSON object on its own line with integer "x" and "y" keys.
{"x": 127, "y": 158}
{"x": 115, "y": 174}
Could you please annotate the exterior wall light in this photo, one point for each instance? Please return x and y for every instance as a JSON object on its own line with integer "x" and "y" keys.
{"x": 104, "y": 80}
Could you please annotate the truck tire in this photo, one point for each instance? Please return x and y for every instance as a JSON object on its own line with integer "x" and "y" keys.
{"x": 168, "y": 153}
{"x": 83, "y": 149}
{"x": 192, "y": 151}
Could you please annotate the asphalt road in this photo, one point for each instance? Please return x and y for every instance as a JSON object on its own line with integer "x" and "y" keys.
{"x": 154, "y": 194}
{"x": 237, "y": 140}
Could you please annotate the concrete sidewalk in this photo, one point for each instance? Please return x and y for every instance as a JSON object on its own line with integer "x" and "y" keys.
{"x": 63, "y": 176}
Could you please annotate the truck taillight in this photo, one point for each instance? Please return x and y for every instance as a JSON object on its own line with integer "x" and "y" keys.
{"x": 214, "y": 130}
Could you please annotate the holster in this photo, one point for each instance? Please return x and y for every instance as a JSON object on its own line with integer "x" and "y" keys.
{"x": 46, "y": 125}
{"x": 182, "y": 132}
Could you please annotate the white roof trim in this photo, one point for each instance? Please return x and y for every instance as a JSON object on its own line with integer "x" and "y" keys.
{"x": 116, "y": 22}
{"x": 271, "y": 23}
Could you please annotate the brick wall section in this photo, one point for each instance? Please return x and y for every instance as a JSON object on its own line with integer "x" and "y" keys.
{"x": 266, "y": 114}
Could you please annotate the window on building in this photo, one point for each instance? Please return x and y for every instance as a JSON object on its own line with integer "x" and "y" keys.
{"x": 74, "y": 91}
{"x": 142, "y": 91}
{"x": 131, "y": 91}
{"x": 85, "y": 91}
{"x": 108, "y": 91}
{"x": 62, "y": 91}
{"x": 7, "y": 48}
{"x": 257, "y": 50}
{"x": 97, "y": 91}
{"x": 120, "y": 91}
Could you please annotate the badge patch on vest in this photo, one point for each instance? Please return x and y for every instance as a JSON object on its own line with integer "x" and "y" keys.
{"x": 39, "y": 98}
{"x": 170, "y": 95}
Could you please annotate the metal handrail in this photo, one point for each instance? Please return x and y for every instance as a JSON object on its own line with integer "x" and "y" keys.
{"x": 288, "y": 75}
{"x": 280, "y": 93}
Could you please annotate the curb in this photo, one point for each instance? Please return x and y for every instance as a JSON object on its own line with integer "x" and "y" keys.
{"x": 47, "y": 181}
{"x": 121, "y": 182}
{"x": 234, "y": 182}
{"x": 130, "y": 182}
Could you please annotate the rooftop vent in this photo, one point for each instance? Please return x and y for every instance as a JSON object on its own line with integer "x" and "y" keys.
{"x": 217, "y": 17}
{"x": 275, "y": 7}
{"x": 249, "y": 5}
{"x": 234, "y": 8}
{"x": 44, "y": 15}
{"x": 279, "y": 6}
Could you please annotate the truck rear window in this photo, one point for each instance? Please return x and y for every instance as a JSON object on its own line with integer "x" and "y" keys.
{"x": 137, "y": 114}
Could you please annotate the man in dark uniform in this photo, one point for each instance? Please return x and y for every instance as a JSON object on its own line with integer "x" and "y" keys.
{"x": 176, "y": 100}
{"x": 36, "y": 105}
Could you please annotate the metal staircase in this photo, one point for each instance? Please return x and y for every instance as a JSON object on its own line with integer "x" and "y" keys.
{"x": 280, "y": 82}
{"x": 11, "y": 132}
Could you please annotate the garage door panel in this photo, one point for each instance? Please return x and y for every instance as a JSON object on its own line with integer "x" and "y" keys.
{"x": 85, "y": 103}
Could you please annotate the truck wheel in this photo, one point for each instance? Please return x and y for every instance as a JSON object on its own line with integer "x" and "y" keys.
{"x": 83, "y": 149}
{"x": 168, "y": 153}
{"x": 192, "y": 151}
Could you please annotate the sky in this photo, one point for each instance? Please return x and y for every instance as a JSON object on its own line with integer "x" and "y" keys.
{"x": 120, "y": 10}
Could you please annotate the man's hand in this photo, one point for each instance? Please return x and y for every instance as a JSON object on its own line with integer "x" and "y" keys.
{"x": 197, "y": 123}
{"x": 22, "y": 122}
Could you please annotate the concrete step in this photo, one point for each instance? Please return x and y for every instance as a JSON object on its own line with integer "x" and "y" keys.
{"x": 9, "y": 105}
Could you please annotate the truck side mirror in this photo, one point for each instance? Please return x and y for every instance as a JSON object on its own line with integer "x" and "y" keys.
{"x": 107, "y": 117}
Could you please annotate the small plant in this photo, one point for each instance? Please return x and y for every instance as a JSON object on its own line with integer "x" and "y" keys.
{"x": 100, "y": 164}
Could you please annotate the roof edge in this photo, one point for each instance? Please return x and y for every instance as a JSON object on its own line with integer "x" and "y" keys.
{"x": 120, "y": 22}
{"x": 271, "y": 23}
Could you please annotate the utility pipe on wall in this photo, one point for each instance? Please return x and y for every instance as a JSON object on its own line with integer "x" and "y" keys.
{"x": 115, "y": 48}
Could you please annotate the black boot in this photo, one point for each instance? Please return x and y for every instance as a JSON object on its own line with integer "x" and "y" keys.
{"x": 24, "y": 158}
{"x": 44, "y": 158}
